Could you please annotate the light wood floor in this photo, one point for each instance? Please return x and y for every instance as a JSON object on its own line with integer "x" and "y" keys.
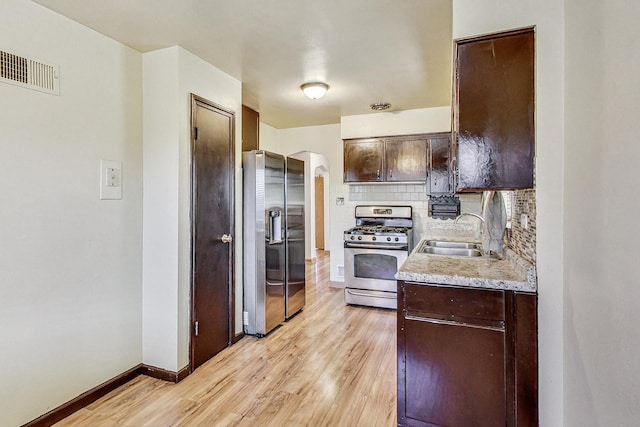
{"x": 331, "y": 365}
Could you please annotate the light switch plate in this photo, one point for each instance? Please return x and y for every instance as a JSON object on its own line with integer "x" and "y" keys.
{"x": 110, "y": 180}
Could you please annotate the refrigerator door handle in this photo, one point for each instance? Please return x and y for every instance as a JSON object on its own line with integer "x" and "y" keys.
{"x": 275, "y": 227}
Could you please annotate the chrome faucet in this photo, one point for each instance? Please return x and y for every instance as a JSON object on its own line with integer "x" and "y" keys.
{"x": 470, "y": 214}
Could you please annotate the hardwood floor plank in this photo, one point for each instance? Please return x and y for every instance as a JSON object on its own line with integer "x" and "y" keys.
{"x": 330, "y": 365}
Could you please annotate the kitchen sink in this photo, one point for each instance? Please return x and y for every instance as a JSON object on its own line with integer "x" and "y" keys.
{"x": 443, "y": 247}
{"x": 448, "y": 244}
{"x": 449, "y": 251}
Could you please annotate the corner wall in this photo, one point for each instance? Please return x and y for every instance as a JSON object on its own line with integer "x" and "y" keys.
{"x": 70, "y": 263}
{"x": 602, "y": 199}
{"x": 471, "y": 17}
{"x": 170, "y": 76}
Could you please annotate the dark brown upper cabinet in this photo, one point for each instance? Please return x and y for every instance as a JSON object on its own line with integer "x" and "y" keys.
{"x": 386, "y": 159}
{"x": 494, "y": 111}
{"x": 405, "y": 159}
{"x": 440, "y": 176}
{"x": 250, "y": 129}
{"x": 363, "y": 160}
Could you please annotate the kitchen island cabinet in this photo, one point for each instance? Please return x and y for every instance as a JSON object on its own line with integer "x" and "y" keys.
{"x": 466, "y": 356}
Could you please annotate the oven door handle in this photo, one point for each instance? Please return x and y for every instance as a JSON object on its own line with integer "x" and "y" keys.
{"x": 362, "y": 294}
{"x": 369, "y": 246}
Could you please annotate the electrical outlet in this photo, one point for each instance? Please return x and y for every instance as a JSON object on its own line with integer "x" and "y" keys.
{"x": 113, "y": 177}
{"x": 110, "y": 180}
{"x": 524, "y": 221}
{"x": 245, "y": 318}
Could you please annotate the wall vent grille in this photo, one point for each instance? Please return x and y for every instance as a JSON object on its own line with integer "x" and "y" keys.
{"x": 28, "y": 72}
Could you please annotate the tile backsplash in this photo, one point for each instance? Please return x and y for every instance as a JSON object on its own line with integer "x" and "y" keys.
{"x": 388, "y": 193}
{"x": 522, "y": 241}
{"x": 415, "y": 195}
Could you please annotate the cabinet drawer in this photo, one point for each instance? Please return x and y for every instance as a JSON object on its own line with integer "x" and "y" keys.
{"x": 456, "y": 304}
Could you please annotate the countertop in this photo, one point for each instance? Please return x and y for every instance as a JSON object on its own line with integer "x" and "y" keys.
{"x": 510, "y": 273}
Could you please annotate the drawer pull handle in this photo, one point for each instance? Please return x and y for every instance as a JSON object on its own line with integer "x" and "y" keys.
{"x": 452, "y": 323}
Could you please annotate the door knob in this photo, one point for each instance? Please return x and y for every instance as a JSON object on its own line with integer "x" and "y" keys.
{"x": 226, "y": 238}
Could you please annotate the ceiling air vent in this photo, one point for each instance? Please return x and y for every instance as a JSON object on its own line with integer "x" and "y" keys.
{"x": 28, "y": 72}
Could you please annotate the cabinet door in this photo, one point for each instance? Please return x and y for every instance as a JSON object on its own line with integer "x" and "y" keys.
{"x": 440, "y": 179}
{"x": 406, "y": 160}
{"x": 494, "y": 111}
{"x": 526, "y": 360}
{"x": 250, "y": 129}
{"x": 452, "y": 356}
{"x": 454, "y": 374}
{"x": 363, "y": 160}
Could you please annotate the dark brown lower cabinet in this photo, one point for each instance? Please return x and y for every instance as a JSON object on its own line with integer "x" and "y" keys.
{"x": 466, "y": 357}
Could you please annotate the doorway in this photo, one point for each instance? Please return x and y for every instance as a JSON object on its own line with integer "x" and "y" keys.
{"x": 319, "y": 212}
{"x": 212, "y": 222}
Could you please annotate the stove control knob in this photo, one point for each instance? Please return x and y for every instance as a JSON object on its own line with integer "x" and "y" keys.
{"x": 373, "y": 238}
{"x": 359, "y": 237}
{"x": 353, "y": 237}
{"x": 388, "y": 239}
{"x": 397, "y": 239}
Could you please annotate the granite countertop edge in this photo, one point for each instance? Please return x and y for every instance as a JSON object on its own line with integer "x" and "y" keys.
{"x": 517, "y": 274}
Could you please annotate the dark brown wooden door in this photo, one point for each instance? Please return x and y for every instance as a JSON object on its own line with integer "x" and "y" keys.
{"x": 212, "y": 225}
{"x": 494, "y": 111}
{"x": 406, "y": 159}
{"x": 363, "y": 160}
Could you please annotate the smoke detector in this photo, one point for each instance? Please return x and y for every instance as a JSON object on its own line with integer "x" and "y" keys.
{"x": 380, "y": 106}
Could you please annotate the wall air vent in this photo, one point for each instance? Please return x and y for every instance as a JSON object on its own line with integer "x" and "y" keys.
{"x": 28, "y": 72}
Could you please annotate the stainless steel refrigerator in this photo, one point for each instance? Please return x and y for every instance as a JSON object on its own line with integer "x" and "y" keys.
{"x": 274, "y": 281}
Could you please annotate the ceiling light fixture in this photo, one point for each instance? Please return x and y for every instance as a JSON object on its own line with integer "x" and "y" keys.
{"x": 315, "y": 90}
{"x": 379, "y": 106}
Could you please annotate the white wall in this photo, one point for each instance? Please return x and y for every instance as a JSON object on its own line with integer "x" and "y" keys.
{"x": 268, "y": 138}
{"x": 471, "y": 17}
{"x": 160, "y": 225}
{"x": 602, "y": 200}
{"x": 70, "y": 264}
{"x": 408, "y": 122}
{"x": 170, "y": 76}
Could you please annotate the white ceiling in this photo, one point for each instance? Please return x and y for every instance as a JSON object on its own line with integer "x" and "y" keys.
{"x": 396, "y": 51}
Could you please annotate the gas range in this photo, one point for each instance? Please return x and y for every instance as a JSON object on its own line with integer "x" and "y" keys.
{"x": 373, "y": 251}
{"x": 381, "y": 224}
{"x": 377, "y": 233}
